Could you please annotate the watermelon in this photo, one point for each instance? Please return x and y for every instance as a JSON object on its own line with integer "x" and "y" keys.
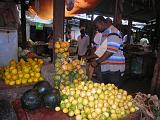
{"x": 31, "y": 100}
{"x": 52, "y": 99}
{"x": 42, "y": 87}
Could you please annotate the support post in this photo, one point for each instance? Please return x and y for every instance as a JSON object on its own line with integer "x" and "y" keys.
{"x": 58, "y": 22}
{"x": 23, "y": 23}
{"x": 129, "y": 31}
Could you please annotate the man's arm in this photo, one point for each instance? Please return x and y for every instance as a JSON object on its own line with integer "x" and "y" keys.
{"x": 102, "y": 58}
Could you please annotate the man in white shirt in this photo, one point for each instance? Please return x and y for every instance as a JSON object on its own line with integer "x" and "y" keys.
{"x": 83, "y": 43}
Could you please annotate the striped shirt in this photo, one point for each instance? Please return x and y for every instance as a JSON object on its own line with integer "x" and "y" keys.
{"x": 116, "y": 62}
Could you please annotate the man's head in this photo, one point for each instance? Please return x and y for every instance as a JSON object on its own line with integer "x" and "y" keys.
{"x": 102, "y": 23}
{"x": 82, "y": 31}
{"x": 108, "y": 22}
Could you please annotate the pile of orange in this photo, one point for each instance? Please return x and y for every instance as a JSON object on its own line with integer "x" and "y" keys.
{"x": 61, "y": 46}
{"x": 23, "y": 72}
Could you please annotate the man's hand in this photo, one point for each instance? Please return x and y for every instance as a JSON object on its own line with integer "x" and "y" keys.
{"x": 91, "y": 56}
{"x": 94, "y": 64}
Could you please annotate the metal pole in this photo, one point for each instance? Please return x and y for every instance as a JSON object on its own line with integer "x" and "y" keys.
{"x": 23, "y": 23}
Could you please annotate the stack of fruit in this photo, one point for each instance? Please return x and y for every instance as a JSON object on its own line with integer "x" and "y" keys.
{"x": 66, "y": 70}
{"x": 94, "y": 101}
{"x": 23, "y": 72}
{"x": 61, "y": 49}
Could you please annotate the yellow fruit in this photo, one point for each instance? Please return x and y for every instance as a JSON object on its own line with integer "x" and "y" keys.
{"x": 78, "y": 117}
{"x": 41, "y": 78}
{"x": 26, "y": 76}
{"x": 57, "y": 109}
{"x": 14, "y": 71}
{"x": 35, "y": 59}
{"x": 14, "y": 77}
{"x": 40, "y": 61}
{"x": 37, "y": 75}
{"x": 132, "y": 109}
{"x": 30, "y": 80}
{"x": 65, "y": 110}
{"x": 37, "y": 69}
{"x": 12, "y": 62}
{"x": 32, "y": 74}
{"x": 8, "y": 76}
{"x": 24, "y": 81}
{"x": 81, "y": 71}
{"x": 35, "y": 80}
{"x": 11, "y": 83}
{"x": 71, "y": 113}
{"x": 7, "y": 82}
{"x": 77, "y": 112}
{"x": 26, "y": 70}
{"x": 18, "y": 82}
{"x": 20, "y": 75}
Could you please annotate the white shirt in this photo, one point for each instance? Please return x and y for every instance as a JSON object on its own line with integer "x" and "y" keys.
{"x": 125, "y": 39}
{"x": 144, "y": 42}
{"x": 82, "y": 44}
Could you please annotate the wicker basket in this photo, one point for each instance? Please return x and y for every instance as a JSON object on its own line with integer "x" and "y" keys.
{"x": 134, "y": 116}
{"x": 11, "y": 93}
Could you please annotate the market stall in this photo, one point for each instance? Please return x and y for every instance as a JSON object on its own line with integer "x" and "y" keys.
{"x": 39, "y": 90}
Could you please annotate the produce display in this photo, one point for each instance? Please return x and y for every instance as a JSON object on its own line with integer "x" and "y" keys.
{"x": 66, "y": 70}
{"x": 23, "y": 72}
{"x": 94, "y": 101}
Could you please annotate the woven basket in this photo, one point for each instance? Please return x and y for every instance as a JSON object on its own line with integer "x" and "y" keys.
{"x": 134, "y": 116}
{"x": 11, "y": 93}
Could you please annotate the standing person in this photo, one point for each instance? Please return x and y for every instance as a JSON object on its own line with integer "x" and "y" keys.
{"x": 110, "y": 56}
{"x": 97, "y": 41}
{"x": 125, "y": 38}
{"x": 83, "y": 43}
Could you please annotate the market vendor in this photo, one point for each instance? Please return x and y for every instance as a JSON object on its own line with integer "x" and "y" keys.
{"x": 83, "y": 43}
{"x": 110, "y": 56}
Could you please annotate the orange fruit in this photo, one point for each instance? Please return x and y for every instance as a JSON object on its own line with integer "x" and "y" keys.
{"x": 8, "y": 76}
{"x": 57, "y": 45}
{"x": 69, "y": 66}
{"x": 14, "y": 77}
